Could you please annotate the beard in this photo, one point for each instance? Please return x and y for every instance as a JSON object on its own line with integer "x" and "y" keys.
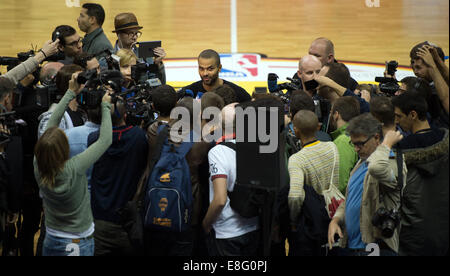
{"x": 210, "y": 80}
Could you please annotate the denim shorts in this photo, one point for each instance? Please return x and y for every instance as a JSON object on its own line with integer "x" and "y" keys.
{"x": 55, "y": 246}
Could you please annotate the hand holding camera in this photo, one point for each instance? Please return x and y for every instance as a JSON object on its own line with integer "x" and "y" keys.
{"x": 74, "y": 85}
{"x": 50, "y": 48}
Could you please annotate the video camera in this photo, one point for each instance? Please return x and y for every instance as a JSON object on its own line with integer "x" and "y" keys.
{"x": 277, "y": 89}
{"x": 112, "y": 60}
{"x": 138, "y": 102}
{"x": 95, "y": 86}
{"x": 389, "y": 85}
{"x": 46, "y": 94}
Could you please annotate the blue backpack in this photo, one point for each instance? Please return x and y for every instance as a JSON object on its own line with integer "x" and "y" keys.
{"x": 168, "y": 199}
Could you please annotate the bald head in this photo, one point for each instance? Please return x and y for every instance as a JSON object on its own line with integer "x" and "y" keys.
{"x": 323, "y": 49}
{"x": 306, "y": 124}
{"x": 308, "y": 68}
{"x": 49, "y": 71}
{"x": 308, "y": 61}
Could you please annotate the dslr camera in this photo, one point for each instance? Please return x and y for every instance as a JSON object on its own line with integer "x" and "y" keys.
{"x": 389, "y": 85}
{"x": 386, "y": 221}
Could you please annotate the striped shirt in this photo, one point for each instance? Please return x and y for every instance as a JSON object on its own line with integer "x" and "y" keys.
{"x": 313, "y": 165}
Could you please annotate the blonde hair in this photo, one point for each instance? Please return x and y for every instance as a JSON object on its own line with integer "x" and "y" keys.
{"x": 51, "y": 151}
{"x": 125, "y": 56}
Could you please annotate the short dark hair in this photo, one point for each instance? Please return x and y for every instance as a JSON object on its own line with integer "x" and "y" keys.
{"x": 423, "y": 88}
{"x": 420, "y": 86}
{"x": 64, "y": 31}
{"x": 227, "y": 93}
{"x": 413, "y": 53}
{"x": 409, "y": 101}
{"x": 96, "y": 11}
{"x": 382, "y": 108}
{"x": 64, "y": 75}
{"x": 339, "y": 73}
{"x": 300, "y": 100}
{"x": 209, "y": 53}
{"x": 164, "y": 99}
{"x": 82, "y": 59}
{"x": 348, "y": 107}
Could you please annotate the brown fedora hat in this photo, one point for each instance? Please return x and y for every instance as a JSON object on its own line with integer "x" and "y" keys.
{"x": 124, "y": 21}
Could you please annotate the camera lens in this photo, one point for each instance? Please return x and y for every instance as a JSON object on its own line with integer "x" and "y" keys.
{"x": 387, "y": 229}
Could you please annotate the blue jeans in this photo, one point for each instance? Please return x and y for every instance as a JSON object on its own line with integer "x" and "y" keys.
{"x": 55, "y": 246}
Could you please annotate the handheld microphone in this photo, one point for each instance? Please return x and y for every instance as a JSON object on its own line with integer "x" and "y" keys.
{"x": 272, "y": 82}
{"x": 189, "y": 93}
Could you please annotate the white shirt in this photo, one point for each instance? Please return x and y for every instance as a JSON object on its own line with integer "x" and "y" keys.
{"x": 229, "y": 224}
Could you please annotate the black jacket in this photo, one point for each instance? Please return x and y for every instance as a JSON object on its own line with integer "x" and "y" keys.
{"x": 424, "y": 229}
{"x": 116, "y": 174}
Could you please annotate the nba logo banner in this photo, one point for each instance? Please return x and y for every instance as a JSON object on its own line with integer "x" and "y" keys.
{"x": 240, "y": 67}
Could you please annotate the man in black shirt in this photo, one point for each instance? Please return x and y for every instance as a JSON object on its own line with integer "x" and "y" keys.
{"x": 424, "y": 213}
{"x": 209, "y": 68}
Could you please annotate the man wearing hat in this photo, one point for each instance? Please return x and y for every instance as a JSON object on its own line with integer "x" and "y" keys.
{"x": 128, "y": 31}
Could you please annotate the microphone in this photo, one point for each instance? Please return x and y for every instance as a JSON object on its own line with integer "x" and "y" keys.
{"x": 272, "y": 82}
{"x": 189, "y": 93}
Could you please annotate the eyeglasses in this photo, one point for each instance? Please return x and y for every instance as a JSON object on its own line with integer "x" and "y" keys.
{"x": 131, "y": 34}
{"x": 360, "y": 144}
{"x": 75, "y": 43}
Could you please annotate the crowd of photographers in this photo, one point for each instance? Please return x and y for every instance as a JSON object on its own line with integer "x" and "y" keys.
{"x": 81, "y": 122}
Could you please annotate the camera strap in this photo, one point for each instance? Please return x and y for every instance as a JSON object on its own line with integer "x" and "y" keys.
{"x": 400, "y": 180}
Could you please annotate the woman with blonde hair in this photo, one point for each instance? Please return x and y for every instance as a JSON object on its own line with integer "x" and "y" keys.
{"x": 127, "y": 59}
{"x": 63, "y": 183}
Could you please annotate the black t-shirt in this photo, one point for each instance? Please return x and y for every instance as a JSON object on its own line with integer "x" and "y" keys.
{"x": 422, "y": 139}
{"x": 241, "y": 94}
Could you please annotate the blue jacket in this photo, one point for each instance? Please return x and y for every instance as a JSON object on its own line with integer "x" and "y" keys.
{"x": 116, "y": 174}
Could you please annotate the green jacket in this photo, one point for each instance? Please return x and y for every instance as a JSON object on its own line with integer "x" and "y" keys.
{"x": 96, "y": 42}
{"x": 67, "y": 207}
{"x": 347, "y": 156}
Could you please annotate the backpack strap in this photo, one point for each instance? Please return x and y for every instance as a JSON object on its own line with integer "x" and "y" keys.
{"x": 163, "y": 133}
{"x": 229, "y": 145}
{"x": 185, "y": 147}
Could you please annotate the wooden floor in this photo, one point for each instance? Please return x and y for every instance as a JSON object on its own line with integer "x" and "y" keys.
{"x": 277, "y": 28}
{"x": 282, "y": 28}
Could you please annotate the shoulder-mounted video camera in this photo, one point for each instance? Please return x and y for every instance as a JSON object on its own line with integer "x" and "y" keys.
{"x": 96, "y": 86}
{"x": 389, "y": 85}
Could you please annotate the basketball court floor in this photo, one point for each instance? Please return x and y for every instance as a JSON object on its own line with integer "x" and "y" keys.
{"x": 366, "y": 33}
{"x": 255, "y": 37}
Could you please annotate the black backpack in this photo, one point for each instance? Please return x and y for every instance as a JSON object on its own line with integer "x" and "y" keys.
{"x": 246, "y": 201}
